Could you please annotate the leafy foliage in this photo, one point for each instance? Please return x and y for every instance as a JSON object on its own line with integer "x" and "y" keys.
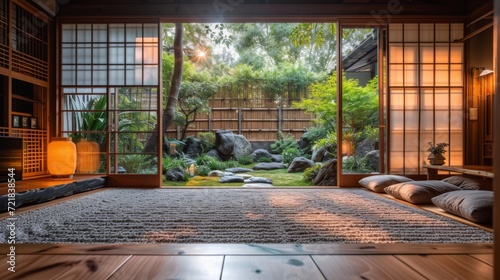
{"x": 289, "y": 154}
{"x": 311, "y": 172}
{"x": 207, "y": 140}
{"x": 245, "y": 160}
{"x": 438, "y": 148}
{"x": 193, "y": 99}
{"x": 284, "y": 142}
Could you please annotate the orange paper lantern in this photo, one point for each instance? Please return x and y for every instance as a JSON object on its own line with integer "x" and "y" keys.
{"x": 61, "y": 157}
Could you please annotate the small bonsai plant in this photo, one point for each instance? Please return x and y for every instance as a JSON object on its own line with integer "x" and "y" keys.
{"x": 437, "y": 150}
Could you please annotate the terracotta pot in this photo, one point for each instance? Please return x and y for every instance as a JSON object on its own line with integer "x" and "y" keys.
{"x": 436, "y": 159}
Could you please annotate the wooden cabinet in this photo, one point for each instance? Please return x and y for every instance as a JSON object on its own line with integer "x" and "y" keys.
{"x": 24, "y": 81}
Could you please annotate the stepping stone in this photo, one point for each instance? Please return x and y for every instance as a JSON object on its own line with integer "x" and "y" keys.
{"x": 269, "y": 166}
{"x": 231, "y": 179}
{"x": 259, "y": 180}
{"x": 257, "y": 185}
{"x": 239, "y": 170}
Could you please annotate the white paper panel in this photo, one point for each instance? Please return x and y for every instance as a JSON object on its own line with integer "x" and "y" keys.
{"x": 426, "y": 53}
{"x": 395, "y": 32}
{"x": 427, "y": 32}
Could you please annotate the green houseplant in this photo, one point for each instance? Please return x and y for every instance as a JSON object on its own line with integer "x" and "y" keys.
{"x": 90, "y": 122}
{"x": 436, "y": 153}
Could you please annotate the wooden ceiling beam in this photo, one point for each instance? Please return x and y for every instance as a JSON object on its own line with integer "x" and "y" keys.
{"x": 221, "y": 10}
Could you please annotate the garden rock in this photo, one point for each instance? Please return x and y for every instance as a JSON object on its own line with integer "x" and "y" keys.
{"x": 305, "y": 143}
{"x": 327, "y": 175}
{"x": 175, "y": 174}
{"x": 245, "y": 176}
{"x": 231, "y": 179}
{"x": 257, "y": 185}
{"x": 262, "y": 153}
{"x": 193, "y": 148}
{"x": 215, "y": 173}
{"x": 242, "y": 146}
{"x": 318, "y": 154}
{"x": 215, "y": 154}
{"x": 224, "y": 143}
{"x": 269, "y": 166}
{"x": 299, "y": 164}
{"x": 373, "y": 157}
{"x": 239, "y": 170}
{"x": 365, "y": 147}
{"x": 258, "y": 180}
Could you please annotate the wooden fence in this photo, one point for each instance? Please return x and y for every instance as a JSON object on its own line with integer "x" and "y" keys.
{"x": 256, "y": 124}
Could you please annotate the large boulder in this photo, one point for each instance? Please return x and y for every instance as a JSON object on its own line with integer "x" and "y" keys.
{"x": 365, "y": 147}
{"x": 215, "y": 154}
{"x": 299, "y": 164}
{"x": 175, "y": 174}
{"x": 224, "y": 143}
{"x": 242, "y": 146}
{"x": 305, "y": 143}
{"x": 193, "y": 147}
{"x": 327, "y": 175}
{"x": 319, "y": 154}
{"x": 373, "y": 158}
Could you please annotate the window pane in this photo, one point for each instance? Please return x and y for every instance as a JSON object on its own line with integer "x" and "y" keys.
{"x": 395, "y": 32}
{"x": 442, "y": 32}
{"x": 411, "y": 32}
{"x": 427, "y": 32}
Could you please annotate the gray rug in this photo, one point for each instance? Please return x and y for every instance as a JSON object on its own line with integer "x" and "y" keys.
{"x": 237, "y": 216}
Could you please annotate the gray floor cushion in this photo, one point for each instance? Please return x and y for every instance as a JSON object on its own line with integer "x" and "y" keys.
{"x": 420, "y": 192}
{"x": 473, "y": 205}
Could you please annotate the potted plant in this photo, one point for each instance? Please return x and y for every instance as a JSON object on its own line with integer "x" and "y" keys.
{"x": 436, "y": 156}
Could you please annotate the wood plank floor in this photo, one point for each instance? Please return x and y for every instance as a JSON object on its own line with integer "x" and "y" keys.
{"x": 249, "y": 261}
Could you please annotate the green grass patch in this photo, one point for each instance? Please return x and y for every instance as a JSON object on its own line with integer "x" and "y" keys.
{"x": 280, "y": 178}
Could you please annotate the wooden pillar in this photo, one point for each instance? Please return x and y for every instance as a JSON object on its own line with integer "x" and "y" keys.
{"x": 496, "y": 140}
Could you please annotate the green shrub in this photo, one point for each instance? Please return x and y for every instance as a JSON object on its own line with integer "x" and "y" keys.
{"x": 170, "y": 162}
{"x": 284, "y": 142}
{"x": 137, "y": 164}
{"x": 289, "y": 154}
{"x": 311, "y": 173}
{"x": 245, "y": 159}
{"x": 203, "y": 170}
{"x": 264, "y": 159}
{"x": 207, "y": 140}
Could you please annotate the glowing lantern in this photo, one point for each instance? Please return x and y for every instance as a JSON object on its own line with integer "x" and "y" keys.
{"x": 61, "y": 157}
{"x": 88, "y": 157}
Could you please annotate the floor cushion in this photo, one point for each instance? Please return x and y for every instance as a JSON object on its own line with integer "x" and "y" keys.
{"x": 377, "y": 183}
{"x": 473, "y": 205}
{"x": 420, "y": 192}
{"x": 469, "y": 183}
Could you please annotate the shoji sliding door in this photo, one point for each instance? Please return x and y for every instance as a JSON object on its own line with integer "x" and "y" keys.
{"x": 109, "y": 87}
{"x": 426, "y": 93}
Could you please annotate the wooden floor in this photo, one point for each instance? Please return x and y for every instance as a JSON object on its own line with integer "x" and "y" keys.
{"x": 258, "y": 261}
{"x": 244, "y": 261}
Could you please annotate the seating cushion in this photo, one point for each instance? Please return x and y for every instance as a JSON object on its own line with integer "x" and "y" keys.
{"x": 473, "y": 205}
{"x": 420, "y": 192}
{"x": 469, "y": 183}
{"x": 377, "y": 183}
